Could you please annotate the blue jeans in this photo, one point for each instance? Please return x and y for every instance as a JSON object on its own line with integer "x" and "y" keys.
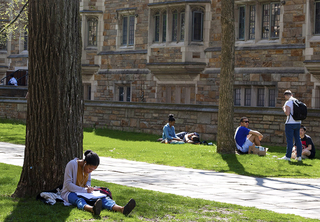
{"x": 293, "y": 131}
{"x": 107, "y": 203}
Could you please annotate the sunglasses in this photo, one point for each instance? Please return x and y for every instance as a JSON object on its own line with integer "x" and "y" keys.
{"x": 245, "y": 121}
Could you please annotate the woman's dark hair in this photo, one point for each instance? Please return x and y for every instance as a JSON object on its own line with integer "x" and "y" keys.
{"x": 195, "y": 139}
{"x": 91, "y": 158}
{"x": 171, "y": 118}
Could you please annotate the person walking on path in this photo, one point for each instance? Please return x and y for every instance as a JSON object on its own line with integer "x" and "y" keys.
{"x": 292, "y": 128}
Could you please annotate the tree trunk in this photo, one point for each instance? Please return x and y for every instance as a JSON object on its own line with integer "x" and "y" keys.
{"x": 55, "y": 103}
{"x": 225, "y": 141}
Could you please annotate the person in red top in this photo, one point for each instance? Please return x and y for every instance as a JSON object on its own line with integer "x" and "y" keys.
{"x": 308, "y": 148}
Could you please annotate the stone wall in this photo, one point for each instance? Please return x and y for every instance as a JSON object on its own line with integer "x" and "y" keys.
{"x": 150, "y": 118}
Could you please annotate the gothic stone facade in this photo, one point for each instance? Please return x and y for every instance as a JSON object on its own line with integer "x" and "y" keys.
{"x": 163, "y": 51}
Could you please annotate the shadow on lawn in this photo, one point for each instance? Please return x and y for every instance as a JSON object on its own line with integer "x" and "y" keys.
{"x": 123, "y": 135}
{"x": 33, "y": 210}
{"x": 234, "y": 164}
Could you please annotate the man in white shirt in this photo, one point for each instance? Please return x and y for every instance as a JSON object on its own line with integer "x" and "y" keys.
{"x": 292, "y": 128}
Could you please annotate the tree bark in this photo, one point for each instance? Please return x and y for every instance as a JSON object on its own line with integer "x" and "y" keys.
{"x": 225, "y": 141}
{"x": 55, "y": 103}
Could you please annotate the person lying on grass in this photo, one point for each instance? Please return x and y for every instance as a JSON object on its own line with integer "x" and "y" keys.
{"x": 77, "y": 179}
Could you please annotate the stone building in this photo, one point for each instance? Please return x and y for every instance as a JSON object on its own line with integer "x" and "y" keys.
{"x": 160, "y": 51}
{"x": 168, "y": 52}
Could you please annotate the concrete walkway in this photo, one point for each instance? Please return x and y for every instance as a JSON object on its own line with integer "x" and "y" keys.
{"x": 283, "y": 195}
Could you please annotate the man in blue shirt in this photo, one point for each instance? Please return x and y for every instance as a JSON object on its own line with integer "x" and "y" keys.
{"x": 245, "y": 137}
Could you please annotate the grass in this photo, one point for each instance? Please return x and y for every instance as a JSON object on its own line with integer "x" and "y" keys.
{"x": 152, "y": 206}
{"x": 143, "y": 147}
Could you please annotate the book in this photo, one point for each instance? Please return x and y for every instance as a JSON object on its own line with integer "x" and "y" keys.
{"x": 92, "y": 196}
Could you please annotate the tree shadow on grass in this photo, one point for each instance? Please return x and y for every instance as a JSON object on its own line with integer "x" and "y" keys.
{"x": 123, "y": 135}
{"x": 234, "y": 164}
{"x": 33, "y": 210}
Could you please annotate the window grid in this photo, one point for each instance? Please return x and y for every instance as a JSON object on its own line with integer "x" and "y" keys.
{"x": 247, "y": 101}
{"x": 128, "y": 30}
{"x": 124, "y": 93}
{"x": 242, "y": 12}
{"x": 164, "y": 27}
{"x": 317, "y": 18}
{"x": 92, "y": 31}
{"x": 252, "y": 22}
{"x": 182, "y": 25}
{"x": 128, "y": 94}
{"x": 272, "y": 97}
{"x": 157, "y": 28}
{"x": 197, "y": 25}
{"x": 174, "y": 26}
{"x": 131, "y": 30}
{"x": 260, "y": 97}
{"x": 125, "y": 30}
{"x": 237, "y": 97}
{"x": 265, "y": 21}
{"x": 275, "y": 20}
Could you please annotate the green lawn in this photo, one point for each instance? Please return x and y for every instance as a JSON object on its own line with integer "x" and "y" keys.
{"x": 151, "y": 206}
{"x": 143, "y": 147}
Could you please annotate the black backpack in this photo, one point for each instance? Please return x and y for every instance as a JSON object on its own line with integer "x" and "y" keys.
{"x": 300, "y": 110}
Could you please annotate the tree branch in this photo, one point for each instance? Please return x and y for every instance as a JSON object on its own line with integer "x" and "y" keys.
{"x": 7, "y": 26}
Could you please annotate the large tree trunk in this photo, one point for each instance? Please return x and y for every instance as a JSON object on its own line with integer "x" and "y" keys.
{"x": 225, "y": 141}
{"x": 55, "y": 104}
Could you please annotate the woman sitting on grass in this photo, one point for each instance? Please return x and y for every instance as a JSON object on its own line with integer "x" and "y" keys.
{"x": 77, "y": 179}
{"x": 169, "y": 134}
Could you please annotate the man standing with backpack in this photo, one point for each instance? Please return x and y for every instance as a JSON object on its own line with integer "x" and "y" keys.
{"x": 292, "y": 127}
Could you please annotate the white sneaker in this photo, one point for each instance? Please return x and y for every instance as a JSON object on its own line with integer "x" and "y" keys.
{"x": 298, "y": 158}
{"x": 284, "y": 158}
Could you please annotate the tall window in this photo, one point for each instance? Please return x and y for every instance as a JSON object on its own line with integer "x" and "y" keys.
{"x": 260, "y": 97}
{"x": 247, "y": 99}
{"x": 270, "y": 20}
{"x": 237, "y": 97}
{"x": 160, "y": 27}
{"x": 164, "y": 27}
{"x": 272, "y": 97}
{"x": 178, "y": 22}
{"x": 92, "y": 31}
{"x": 252, "y": 22}
{"x": 182, "y": 24}
{"x": 197, "y": 26}
{"x": 317, "y": 18}
{"x": 242, "y": 17}
{"x": 157, "y": 27}
{"x": 174, "y": 25}
{"x": 128, "y": 30}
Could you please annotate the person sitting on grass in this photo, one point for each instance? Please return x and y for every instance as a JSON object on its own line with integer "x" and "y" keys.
{"x": 245, "y": 137}
{"x": 77, "y": 179}
{"x": 308, "y": 148}
{"x": 168, "y": 133}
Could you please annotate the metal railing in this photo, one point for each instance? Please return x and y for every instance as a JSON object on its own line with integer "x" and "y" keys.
{"x": 2, "y": 81}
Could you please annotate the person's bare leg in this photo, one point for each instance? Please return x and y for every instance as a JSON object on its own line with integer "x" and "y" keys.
{"x": 254, "y": 139}
{"x": 117, "y": 208}
{"x": 88, "y": 208}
